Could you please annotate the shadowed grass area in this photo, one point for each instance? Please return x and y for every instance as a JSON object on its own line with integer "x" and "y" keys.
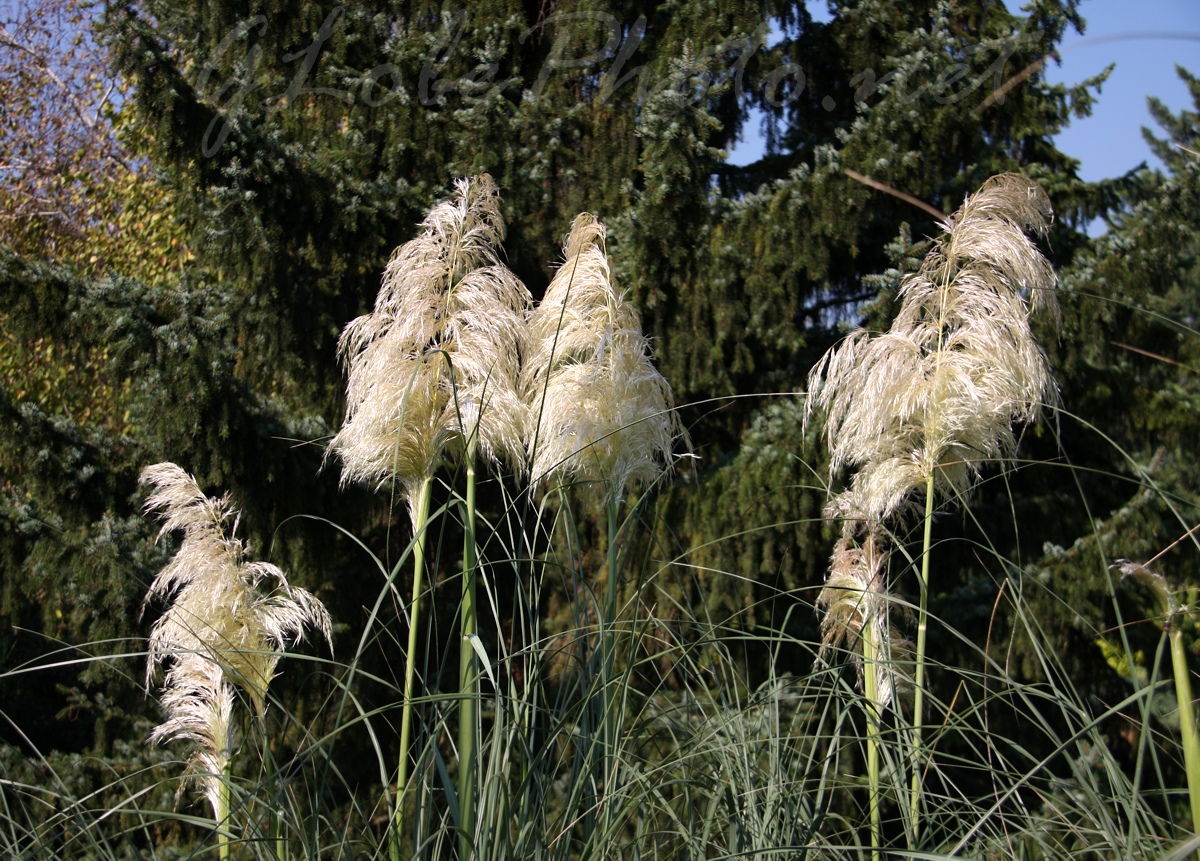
{"x": 701, "y": 763}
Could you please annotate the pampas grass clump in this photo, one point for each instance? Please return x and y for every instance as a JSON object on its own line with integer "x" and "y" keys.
{"x": 436, "y": 365}
{"x": 923, "y": 407}
{"x": 601, "y": 415}
{"x": 600, "y": 411}
{"x": 227, "y": 625}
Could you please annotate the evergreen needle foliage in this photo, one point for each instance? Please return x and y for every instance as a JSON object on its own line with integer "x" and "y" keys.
{"x": 228, "y": 623}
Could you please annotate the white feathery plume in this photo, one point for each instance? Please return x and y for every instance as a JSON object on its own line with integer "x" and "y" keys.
{"x": 940, "y": 391}
{"x": 857, "y": 604}
{"x": 599, "y": 410}
{"x": 438, "y": 358}
{"x": 199, "y": 702}
{"x": 223, "y": 628}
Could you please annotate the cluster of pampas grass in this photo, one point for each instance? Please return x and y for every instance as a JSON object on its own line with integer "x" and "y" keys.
{"x": 566, "y": 394}
{"x": 601, "y": 416}
{"x": 453, "y": 356}
{"x": 452, "y": 350}
{"x": 925, "y": 405}
{"x": 453, "y": 361}
{"x": 228, "y": 623}
{"x": 435, "y": 365}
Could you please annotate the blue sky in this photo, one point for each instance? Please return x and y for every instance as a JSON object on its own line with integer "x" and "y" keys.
{"x": 1146, "y": 39}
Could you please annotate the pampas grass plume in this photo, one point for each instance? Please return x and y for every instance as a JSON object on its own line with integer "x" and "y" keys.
{"x": 600, "y": 411}
{"x": 437, "y": 360}
{"x": 855, "y": 598}
{"x": 227, "y": 625}
{"x": 199, "y": 703}
{"x": 940, "y": 391}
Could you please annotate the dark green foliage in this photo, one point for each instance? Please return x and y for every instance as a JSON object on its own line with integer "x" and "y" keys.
{"x": 1127, "y": 364}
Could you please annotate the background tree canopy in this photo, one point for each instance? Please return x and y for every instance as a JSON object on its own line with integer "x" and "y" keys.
{"x": 183, "y": 246}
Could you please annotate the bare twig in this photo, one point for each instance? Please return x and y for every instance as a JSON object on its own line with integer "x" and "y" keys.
{"x": 998, "y": 94}
{"x": 1151, "y": 355}
{"x": 895, "y": 192}
{"x": 1182, "y": 538}
{"x": 81, "y": 109}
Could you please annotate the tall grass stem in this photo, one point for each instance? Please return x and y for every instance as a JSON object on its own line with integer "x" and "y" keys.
{"x": 918, "y": 722}
{"x": 871, "y": 698}
{"x": 1187, "y": 721}
{"x": 1160, "y": 588}
{"x": 419, "y": 521}
{"x": 468, "y": 673}
{"x": 609, "y": 657}
{"x": 222, "y": 812}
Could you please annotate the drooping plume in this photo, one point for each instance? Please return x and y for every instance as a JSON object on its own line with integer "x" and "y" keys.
{"x": 199, "y": 703}
{"x": 438, "y": 358}
{"x": 857, "y": 606}
{"x": 600, "y": 411}
{"x": 940, "y": 391}
{"x": 227, "y": 625}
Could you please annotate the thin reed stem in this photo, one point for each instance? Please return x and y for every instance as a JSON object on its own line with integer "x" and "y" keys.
{"x": 918, "y": 757}
{"x": 419, "y": 521}
{"x": 468, "y": 673}
{"x": 1187, "y": 721}
{"x": 1171, "y": 612}
{"x": 609, "y": 647}
{"x": 222, "y": 812}
{"x": 600, "y": 764}
{"x": 273, "y": 780}
{"x": 871, "y": 697}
